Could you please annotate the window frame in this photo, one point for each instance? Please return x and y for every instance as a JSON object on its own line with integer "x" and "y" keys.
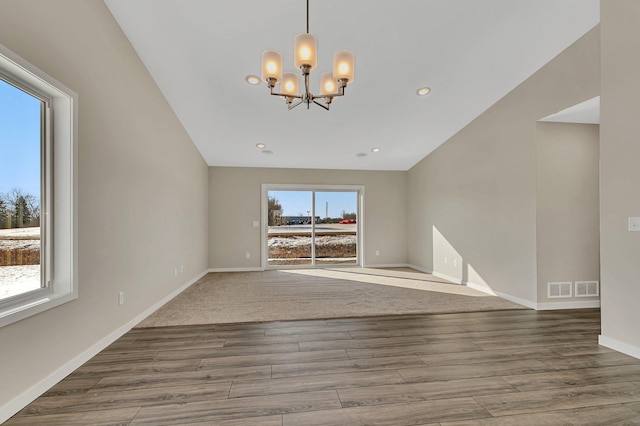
{"x": 58, "y": 189}
{"x": 264, "y": 235}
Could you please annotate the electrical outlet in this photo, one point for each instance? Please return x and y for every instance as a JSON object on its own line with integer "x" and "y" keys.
{"x": 181, "y": 269}
{"x": 377, "y": 252}
{"x": 247, "y": 255}
{"x": 175, "y": 271}
{"x": 446, "y": 261}
{"x": 121, "y": 298}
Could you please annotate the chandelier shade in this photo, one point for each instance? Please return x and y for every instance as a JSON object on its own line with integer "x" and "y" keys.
{"x": 271, "y": 65}
{"x": 290, "y": 84}
{"x": 343, "y": 65}
{"x": 305, "y": 48}
{"x": 327, "y": 84}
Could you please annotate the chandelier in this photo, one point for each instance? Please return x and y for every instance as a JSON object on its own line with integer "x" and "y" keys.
{"x": 305, "y": 47}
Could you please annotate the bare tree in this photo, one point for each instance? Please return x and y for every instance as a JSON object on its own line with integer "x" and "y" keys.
{"x": 274, "y": 210}
{"x": 4, "y": 214}
{"x": 22, "y": 209}
{"x": 346, "y": 215}
{"x": 33, "y": 204}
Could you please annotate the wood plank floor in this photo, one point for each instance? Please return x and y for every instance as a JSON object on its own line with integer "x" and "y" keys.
{"x": 493, "y": 368}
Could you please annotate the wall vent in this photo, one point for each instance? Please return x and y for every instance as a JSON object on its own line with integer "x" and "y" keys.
{"x": 560, "y": 289}
{"x": 587, "y": 288}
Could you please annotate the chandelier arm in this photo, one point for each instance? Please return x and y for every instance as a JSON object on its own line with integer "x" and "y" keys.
{"x": 271, "y": 92}
{"x": 330, "y": 95}
{"x": 286, "y": 95}
{"x": 292, "y": 106}
{"x": 320, "y": 105}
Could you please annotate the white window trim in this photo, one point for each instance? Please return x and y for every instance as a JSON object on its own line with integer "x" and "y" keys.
{"x": 60, "y": 216}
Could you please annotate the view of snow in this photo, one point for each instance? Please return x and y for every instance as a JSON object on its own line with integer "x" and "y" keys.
{"x": 18, "y": 279}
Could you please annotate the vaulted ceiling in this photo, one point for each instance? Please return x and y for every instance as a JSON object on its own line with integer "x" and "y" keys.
{"x": 469, "y": 52}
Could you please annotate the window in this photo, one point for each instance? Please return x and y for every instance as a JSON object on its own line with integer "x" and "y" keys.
{"x": 37, "y": 186}
{"x": 22, "y": 144}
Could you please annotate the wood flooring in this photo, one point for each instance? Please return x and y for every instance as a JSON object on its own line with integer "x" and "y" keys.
{"x": 483, "y": 368}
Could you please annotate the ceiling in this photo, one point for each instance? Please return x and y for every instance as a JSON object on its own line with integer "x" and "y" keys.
{"x": 469, "y": 52}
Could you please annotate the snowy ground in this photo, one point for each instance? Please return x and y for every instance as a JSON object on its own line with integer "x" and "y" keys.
{"x": 18, "y": 279}
{"x": 301, "y": 241}
{"x": 32, "y": 233}
{"x": 321, "y": 228}
{"x": 15, "y": 280}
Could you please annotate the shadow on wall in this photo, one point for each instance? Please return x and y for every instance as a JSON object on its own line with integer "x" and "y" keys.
{"x": 449, "y": 264}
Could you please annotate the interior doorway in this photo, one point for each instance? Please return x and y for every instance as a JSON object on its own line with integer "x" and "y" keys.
{"x": 311, "y": 226}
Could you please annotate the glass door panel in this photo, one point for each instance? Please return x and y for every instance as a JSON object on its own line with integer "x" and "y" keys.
{"x": 21, "y": 145}
{"x": 290, "y": 228}
{"x": 336, "y": 229}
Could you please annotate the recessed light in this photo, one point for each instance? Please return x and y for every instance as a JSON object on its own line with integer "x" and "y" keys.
{"x": 253, "y": 80}
{"x": 376, "y": 149}
{"x": 260, "y": 146}
{"x": 361, "y": 155}
{"x": 423, "y": 91}
{"x": 267, "y": 152}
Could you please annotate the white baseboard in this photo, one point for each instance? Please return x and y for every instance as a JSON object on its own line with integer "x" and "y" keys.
{"x": 481, "y": 287}
{"x": 387, "y": 265}
{"x": 421, "y": 269}
{"x": 520, "y": 301}
{"x": 505, "y": 296}
{"x": 27, "y": 397}
{"x": 578, "y": 304}
{"x": 247, "y": 269}
{"x": 447, "y": 277}
{"x": 619, "y": 346}
{"x": 258, "y": 268}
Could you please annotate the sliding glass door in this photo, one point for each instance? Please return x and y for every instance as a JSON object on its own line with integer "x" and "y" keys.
{"x": 307, "y": 227}
{"x": 336, "y": 233}
{"x": 290, "y": 228}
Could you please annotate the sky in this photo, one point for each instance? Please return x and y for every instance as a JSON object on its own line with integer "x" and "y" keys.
{"x": 295, "y": 203}
{"x": 19, "y": 141}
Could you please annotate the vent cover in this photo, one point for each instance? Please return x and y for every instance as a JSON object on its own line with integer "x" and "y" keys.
{"x": 560, "y": 289}
{"x": 587, "y": 288}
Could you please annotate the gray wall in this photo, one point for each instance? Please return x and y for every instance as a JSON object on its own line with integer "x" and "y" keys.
{"x": 567, "y": 205}
{"x": 473, "y": 200}
{"x": 235, "y": 197}
{"x": 142, "y": 196}
{"x": 619, "y": 173}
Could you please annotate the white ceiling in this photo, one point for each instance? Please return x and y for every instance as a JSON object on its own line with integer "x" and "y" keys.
{"x": 470, "y": 52}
